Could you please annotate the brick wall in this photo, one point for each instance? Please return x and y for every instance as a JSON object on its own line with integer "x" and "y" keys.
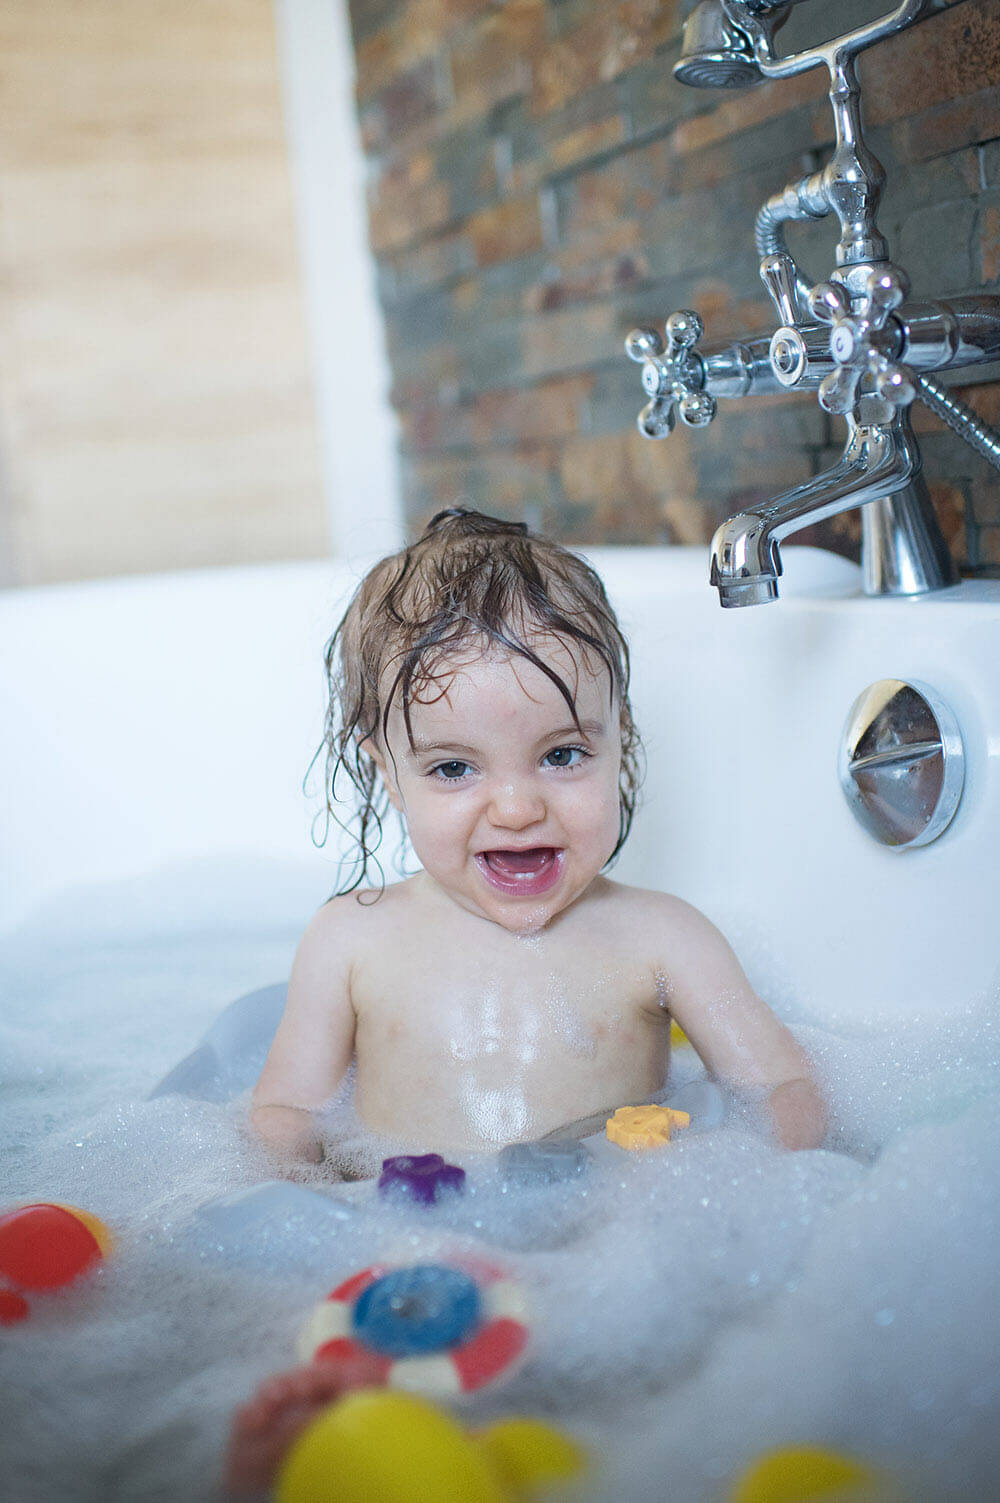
{"x": 539, "y": 184}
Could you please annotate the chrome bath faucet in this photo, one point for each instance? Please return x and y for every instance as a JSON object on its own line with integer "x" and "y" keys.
{"x": 854, "y": 339}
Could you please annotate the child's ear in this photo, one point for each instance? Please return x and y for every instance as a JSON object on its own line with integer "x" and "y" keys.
{"x": 371, "y": 749}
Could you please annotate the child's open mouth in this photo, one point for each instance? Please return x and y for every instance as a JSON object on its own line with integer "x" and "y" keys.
{"x": 526, "y": 873}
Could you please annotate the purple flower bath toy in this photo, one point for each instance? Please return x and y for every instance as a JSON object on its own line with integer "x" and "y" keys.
{"x": 422, "y": 1176}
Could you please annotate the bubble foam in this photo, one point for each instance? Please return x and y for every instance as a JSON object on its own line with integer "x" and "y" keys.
{"x": 688, "y": 1308}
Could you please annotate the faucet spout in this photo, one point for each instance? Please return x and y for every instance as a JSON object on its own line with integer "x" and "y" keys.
{"x": 879, "y": 459}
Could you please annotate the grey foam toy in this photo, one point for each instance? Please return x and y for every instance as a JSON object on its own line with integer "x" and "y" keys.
{"x": 705, "y": 1103}
{"x": 270, "y": 1222}
{"x": 548, "y": 1162}
{"x": 231, "y": 1055}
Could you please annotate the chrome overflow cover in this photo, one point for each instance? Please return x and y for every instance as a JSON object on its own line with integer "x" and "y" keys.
{"x": 902, "y": 763}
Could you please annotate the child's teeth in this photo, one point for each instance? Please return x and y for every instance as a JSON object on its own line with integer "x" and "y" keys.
{"x": 520, "y": 863}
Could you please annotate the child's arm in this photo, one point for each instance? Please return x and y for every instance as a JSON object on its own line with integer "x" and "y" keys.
{"x": 315, "y": 1038}
{"x": 736, "y": 1034}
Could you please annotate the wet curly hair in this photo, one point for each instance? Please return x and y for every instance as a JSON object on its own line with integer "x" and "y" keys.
{"x": 468, "y": 579}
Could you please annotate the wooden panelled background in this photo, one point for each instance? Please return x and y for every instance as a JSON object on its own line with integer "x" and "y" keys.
{"x": 540, "y": 184}
{"x": 156, "y": 408}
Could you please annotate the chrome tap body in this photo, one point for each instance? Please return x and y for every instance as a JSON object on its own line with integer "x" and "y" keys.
{"x": 854, "y": 339}
{"x": 880, "y": 461}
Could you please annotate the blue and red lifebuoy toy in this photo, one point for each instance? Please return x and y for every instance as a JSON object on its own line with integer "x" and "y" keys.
{"x": 442, "y": 1329}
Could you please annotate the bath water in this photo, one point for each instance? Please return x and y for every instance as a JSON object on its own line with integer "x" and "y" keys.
{"x": 689, "y": 1308}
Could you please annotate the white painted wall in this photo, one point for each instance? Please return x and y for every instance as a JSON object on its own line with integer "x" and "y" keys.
{"x": 358, "y": 434}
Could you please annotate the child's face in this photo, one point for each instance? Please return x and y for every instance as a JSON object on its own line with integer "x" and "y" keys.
{"x": 511, "y": 810}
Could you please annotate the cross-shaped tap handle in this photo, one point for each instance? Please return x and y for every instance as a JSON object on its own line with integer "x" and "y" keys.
{"x": 860, "y": 342}
{"x": 672, "y": 375}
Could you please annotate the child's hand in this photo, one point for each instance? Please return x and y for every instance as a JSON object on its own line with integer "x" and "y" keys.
{"x": 288, "y": 1133}
{"x": 799, "y": 1113}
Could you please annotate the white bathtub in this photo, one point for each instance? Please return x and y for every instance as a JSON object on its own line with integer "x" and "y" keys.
{"x": 690, "y": 1310}
{"x": 150, "y": 722}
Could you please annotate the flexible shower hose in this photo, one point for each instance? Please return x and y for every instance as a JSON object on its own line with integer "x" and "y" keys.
{"x": 960, "y": 419}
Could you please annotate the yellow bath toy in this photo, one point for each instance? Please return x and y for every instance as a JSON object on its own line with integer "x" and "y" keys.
{"x": 804, "y": 1473}
{"x": 382, "y": 1446}
{"x": 638, "y": 1127}
{"x": 525, "y": 1453}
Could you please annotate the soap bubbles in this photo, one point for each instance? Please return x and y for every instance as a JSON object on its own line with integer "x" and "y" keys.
{"x": 690, "y": 1308}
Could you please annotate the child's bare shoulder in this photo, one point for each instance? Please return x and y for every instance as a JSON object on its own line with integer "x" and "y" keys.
{"x": 665, "y": 926}
{"x": 649, "y": 905}
{"x": 354, "y": 919}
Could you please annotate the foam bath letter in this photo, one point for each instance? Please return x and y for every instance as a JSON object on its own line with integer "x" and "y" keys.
{"x": 550, "y": 1162}
{"x": 422, "y": 1177}
{"x": 637, "y": 1127}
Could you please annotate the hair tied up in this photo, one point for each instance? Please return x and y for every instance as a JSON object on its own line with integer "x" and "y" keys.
{"x": 474, "y": 522}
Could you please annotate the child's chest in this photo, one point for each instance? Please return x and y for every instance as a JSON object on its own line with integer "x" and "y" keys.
{"x": 514, "y": 1005}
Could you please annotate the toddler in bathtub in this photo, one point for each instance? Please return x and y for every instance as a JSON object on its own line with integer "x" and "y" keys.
{"x": 479, "y": 685}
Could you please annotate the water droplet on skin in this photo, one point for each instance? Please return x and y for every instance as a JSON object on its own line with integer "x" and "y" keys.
{"x": 530, "y": 938}
{"x": 497, "y": 1116}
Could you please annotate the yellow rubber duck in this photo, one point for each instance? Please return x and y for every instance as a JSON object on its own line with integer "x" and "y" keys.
{"x": 380, "y": 1445}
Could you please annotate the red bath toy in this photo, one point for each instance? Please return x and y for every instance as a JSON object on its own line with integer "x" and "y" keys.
{"x": 13, "y": 1307}
{"x": 45, "y": 1247}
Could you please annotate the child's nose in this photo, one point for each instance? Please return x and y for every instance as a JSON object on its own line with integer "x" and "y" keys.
{"x": 514, "y": 805}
